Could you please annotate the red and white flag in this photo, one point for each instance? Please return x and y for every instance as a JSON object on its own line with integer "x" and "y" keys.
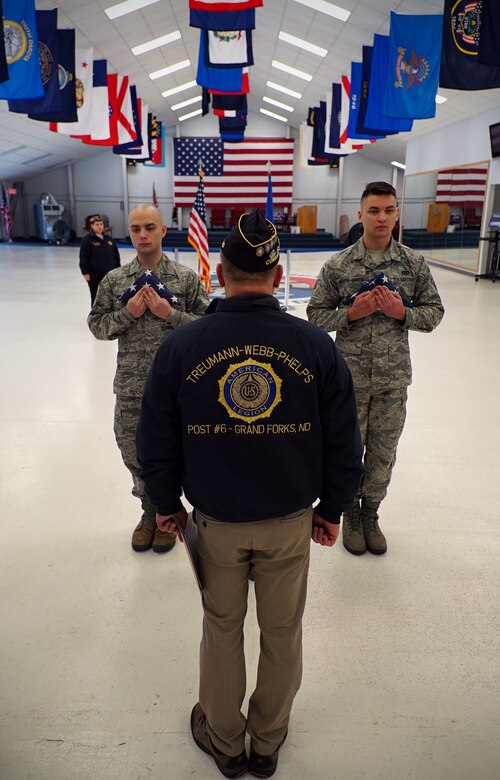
{"x": 121, "y": 117}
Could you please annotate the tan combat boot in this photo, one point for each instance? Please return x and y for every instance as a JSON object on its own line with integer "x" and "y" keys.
{"x": 352, "y": 530}
{"x": 142, "y": 538}
{"x": 375, "y": 540}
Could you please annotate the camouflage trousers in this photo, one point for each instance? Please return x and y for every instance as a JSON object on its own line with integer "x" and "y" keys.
{"x": 381, "y": 420}
{"x": 125, "y": 424}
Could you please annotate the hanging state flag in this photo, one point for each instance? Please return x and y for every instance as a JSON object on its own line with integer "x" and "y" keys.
{"x": 354, "y": 103}
{"x": 143, "y": 154}
{"x": 157, "y": 145}
{"x": 227, "y": 48}
{"x": 97, "y": 122}
{"x": 412, "y": 70}
{"x": 66, "y": 80}
{"x": 121, "y": 119}
{"x": 376, "y": 72}
{"x": 235, "y": 174}
{"x": 222, "y": 20}
{"x": 462, "y": 186}
{"x": 4, "y": 70}
{"x": 224, "y": 5}
{"x": 139, "y": 147}
{"x": 84, "y": 59}
{"x": 245, "y": 86}
{"x": 221, "y": 79}
{"x": 137, "y": 117}
{"x": 489, "y": 40}
{"x": 232, "y": 128}
{"x": 6, "y": 213}
{"x": 46, "y": 22}
{"x": 460, "y": 64}
{"x": 333, "y": 107}
{"x": 198, "y": 234}
{"x": 363, "y": 100}
{"x": 346, "y": 144}
{"x": 230, "y": 105}
{"x": 21, "y": 51}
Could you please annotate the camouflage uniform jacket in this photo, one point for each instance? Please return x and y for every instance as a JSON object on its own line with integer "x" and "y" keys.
{"x": 138, "y": 339}
{"x": 376, "y": 347}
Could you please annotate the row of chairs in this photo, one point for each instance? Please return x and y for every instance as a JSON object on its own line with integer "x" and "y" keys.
{"x": 221, "y": 219}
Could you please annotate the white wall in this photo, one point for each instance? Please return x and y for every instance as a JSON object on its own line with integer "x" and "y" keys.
{"x": 462, "y": 143}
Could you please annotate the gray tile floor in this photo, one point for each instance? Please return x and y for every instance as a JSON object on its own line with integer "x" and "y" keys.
{"x": 99, "y": 644}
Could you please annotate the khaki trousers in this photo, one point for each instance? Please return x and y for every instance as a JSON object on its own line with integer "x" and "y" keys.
{"x": 277, "y": 550}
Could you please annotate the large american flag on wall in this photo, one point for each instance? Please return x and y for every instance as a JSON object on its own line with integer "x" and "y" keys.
{"x": 236, "y": 174}
{"x": 462, "y": 186}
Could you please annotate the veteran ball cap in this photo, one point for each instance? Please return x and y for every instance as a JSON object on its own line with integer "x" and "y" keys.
{"x": 95, "y": 218}
{"x": 252, "y": 244}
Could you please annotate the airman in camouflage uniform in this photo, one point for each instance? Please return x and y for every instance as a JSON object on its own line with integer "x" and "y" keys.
{"x": 372, "y": 333}
{"x": 140, "y": 326}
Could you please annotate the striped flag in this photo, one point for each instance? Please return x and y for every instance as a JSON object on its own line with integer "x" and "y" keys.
{"x": 462, "y": 186}
{"x": 198, "y": 235}
{"x": 237, "y": 172}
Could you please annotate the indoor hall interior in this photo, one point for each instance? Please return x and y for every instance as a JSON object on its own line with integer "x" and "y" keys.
{"x": 99, "y": 644}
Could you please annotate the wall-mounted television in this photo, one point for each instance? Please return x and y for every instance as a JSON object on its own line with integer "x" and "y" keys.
{"x": 495, "y": 139}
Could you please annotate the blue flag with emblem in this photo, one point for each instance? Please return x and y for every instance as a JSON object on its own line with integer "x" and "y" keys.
{"x": 49, "y": 68}
{"x": 21, "y": 50}
{"x": 354, "y": 104}
{"x": 147, "y": 279}
{"x": 489, "y": 41}
{"x": 4, "y": 70}
{"x": 66, "y": 80}
{"x": 220, "y": 79}
{"x": 370, "y": 115}
{"x": 379, "y": 280}
{"x": 461, "y": 66}
{"x": 412, "y": 68}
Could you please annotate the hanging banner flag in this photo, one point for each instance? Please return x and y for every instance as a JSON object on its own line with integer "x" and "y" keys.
{"x": 230, "y": 105}
{"x": 157, "y": 145}
{"x": 460, "y": 64}
{"x": 412, "y": 69}
{"x": 354, "y": 103}
{"x": 21, "y": 51}
{"x": 222, "y": 20}
{"x": 4, "y": 70}
{"x": 84, "y": 59}
{"x": 46, "y": 22}
{"x": 489, "y": 39}
{"x": 235, "y": 174}
{"x": 375, "y": 70}
{"x": 245, "y": 86}
{"x": 121, "y": 118}
{"x": 137, "y": 117}
{"x": 228, "y": 48}
{"x": 220, "y": 79}
{"x": 97, "y": 123}
{"x": 66, "y": 79}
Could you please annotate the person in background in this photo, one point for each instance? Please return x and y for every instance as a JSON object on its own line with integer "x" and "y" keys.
{"x": 140, "y": 304}
{"x": 251, "y": 412}
{"x": 98, "y": 255}
{"x": 372, "y": 294}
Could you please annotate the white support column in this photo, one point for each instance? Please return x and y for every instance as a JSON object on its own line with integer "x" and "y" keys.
{"x": 340, "y": 186}
{"x": 126, "y": 208}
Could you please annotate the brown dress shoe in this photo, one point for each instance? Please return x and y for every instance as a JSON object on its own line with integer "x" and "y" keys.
{"x": 163, "y": 541}
{"x": 229, "y": 766}
{"x": 264, "y": 766}
{"x": 142, "y": 538}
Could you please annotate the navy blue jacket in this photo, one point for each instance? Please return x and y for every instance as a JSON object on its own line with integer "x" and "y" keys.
{"x": 252, "y": 413}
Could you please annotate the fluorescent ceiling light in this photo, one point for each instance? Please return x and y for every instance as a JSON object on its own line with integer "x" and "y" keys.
{"x": 283, "y": 36}
{"x": 156, "y": 43}
{"x": 274, "y": 116}
{"x": 291, "y": 71}
{"x": 186, "y": 103}
{"x": 398, "y": 165}
{"x": 441, "y": 99}
{"x": 188, "y": 116}
{"x": 120, "y": 9}
{"x": 327, "y": 8}
{"x": 171, "y": 69}
{"x": 285, "y": 90}
{"x": 180, "y": 88}
{"x": 278, "y": 104}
